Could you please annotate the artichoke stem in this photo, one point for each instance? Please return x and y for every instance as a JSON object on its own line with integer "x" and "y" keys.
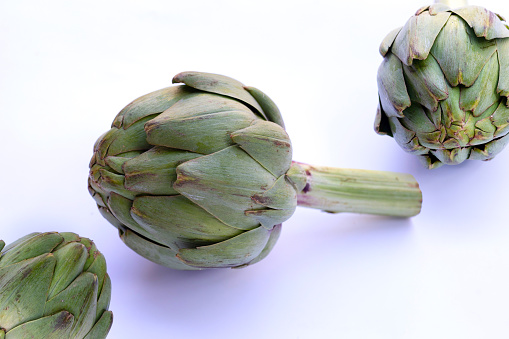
{"x": 359, "y": 191}
{"x": 453, "y": 3}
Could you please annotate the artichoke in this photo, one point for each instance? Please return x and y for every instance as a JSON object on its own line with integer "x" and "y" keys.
{"x": 444, "y": 85}
{"x": 53, "y": 285}
{"x": 200, "y": 175}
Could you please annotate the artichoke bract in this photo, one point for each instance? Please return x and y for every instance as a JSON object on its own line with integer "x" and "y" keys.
{"x": 53, "y": 285}
{"x": 444, "y": 85}
{"x": 200, "y": 175}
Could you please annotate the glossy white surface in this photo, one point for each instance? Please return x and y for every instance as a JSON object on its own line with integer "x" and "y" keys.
{"x": 68, "y": 67}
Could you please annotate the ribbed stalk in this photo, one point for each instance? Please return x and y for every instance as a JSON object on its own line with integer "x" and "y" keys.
{"x": 452, "y": 3}
{"x": 360, "y": 191}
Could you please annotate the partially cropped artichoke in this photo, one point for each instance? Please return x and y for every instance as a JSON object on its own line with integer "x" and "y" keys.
{"x": 443, "y": 85}
{"x": 53, "y": 285}
{"x": 200, "y": 175}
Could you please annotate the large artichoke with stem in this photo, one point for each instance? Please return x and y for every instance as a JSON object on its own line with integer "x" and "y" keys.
{"x": 444, "y": 85}
{"x": 53, "y": 286}
{"x": 200, "y": 175}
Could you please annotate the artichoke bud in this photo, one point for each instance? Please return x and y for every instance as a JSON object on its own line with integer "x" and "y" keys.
{"x": 195, "y": 175}
{"x": 53, "y": 285}
{"x": 444, "y": 84}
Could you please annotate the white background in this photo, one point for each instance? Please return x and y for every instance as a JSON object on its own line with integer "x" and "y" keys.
{"x": 68, "y": 67}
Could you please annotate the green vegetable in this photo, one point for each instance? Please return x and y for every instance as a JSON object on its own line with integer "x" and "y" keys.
{"x": 200, "y": 175}
{"x": 443, "y": 85}
{"x": 53, "y": 285}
